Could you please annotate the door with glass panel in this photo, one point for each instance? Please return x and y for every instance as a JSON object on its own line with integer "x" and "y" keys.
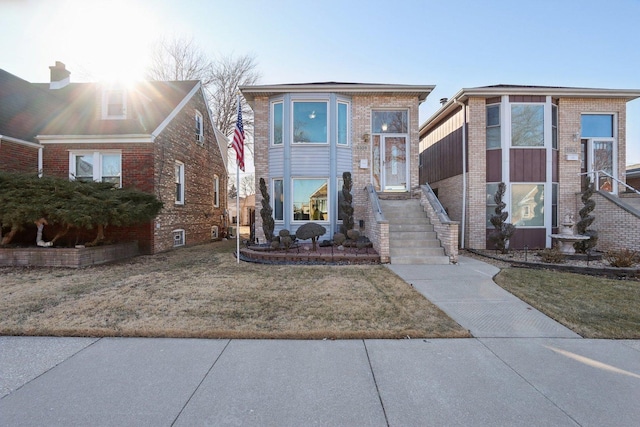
{"x": 394, "y": 163}
{"x": 599, "y": 150}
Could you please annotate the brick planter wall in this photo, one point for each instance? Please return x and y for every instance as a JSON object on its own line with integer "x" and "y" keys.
{"x": 66, "y": 257}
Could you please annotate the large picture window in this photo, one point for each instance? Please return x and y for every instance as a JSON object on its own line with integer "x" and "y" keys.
{"x": 96, "y": 166}
{"x": 527, "y": 205}
{"x": 310, "y": 201}
{"x": 390, "y": 121}
{"x": 527, "y": 125}
{"x": 310, "y": 122}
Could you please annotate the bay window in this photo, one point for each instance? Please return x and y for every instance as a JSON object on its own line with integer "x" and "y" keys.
{"x": 310, "y": 201}
{"x": 527, "y": 125}
{"x": 310, "y": 122}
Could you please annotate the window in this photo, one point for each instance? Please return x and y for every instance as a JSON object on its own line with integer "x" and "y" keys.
{"x": 527, "y": 205}
{"x": 527, "y": 125}
{"x": 114, "y": 104}
{"x": 554, "y": 126}
{"x": 96, "y": 166}
{"x": 390, "y": 122}
{"x": 310, "y": 122}
{"x": 199, "y": 128}
{"x": 492, "y": 189}
{"x": 278, "y": 200}
{"x": 597, "y": 125}
{"x": 340, "y": 197}
{"x": 179, "y": 179}
{"x": 276, "y": 129}
{"x": 554, "y": 205}
{"x": 310, "y": 201}
{"x": 214, "y": 232}
{"x": 178, "y": 238}
{"x": 343, "y": 123}
{"x": 493, "y": 126}
{"x": 216, "y": 191}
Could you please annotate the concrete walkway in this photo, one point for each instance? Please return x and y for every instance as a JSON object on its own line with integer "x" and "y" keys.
{"x": 552, "y": 379}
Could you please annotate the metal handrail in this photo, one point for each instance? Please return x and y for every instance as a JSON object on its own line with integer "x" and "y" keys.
{"x": 373, "y": 196}
{"x": 596, "y": 179}
{"x": 435, "y": 203}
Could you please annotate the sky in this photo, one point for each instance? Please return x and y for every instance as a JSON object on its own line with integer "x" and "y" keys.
{"x": 452, "y": 44}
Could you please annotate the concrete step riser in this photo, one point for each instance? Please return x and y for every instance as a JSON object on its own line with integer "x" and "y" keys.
{"x": 426, "y": 243}
{"x": 421, "y": 260}
{"x": 410, "y": 227}
{"x": 415, "y": 252}
{"x": 412, "y": 235}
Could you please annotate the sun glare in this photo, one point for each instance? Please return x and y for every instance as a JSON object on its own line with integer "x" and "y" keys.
{"x": 103, "y": 40}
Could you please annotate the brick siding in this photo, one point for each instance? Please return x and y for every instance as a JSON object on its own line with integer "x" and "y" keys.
{"x": 16, "y": 157}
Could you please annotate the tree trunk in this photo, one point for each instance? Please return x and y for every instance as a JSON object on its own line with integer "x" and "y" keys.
{"x": 61, "y": 233}
{"x": 6, "y": 239}
{"x": 99, "y": 237}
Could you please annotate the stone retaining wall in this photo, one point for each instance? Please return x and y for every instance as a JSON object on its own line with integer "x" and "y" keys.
{"x": 66, "y": 257}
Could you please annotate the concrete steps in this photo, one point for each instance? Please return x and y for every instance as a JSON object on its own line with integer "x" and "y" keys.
{"x": 411, "y": 236}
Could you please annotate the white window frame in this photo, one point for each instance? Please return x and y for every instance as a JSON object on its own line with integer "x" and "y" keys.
{"x": 105, "y": 105}
{"x": 614, "y": 142}
{"x": 498, "y": 126}
{"x": 179, "y": 179}
{"x": 199, "y": 128}
{"x": 273, "y": 124}
{"x": 214, "y": 232}
{"x": 544, "y": 125}
{"x": 292, "y": 121}
{"x": 274, "y": 201}
{"x": 97, "y": 163}
{"x": 291, "y": 204}
{"x": 348, "y": 124}
{"x": 179, "y": 237}
{"x": 216, "y": 191}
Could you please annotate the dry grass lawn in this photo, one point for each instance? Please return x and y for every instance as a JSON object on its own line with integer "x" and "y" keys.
{"x": 202, "y": 292}
{"x": 593, "y": 307}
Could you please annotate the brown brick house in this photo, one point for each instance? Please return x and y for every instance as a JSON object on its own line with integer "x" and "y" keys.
{"x": 154, "y": 136}
{"x": 538, "y": 141}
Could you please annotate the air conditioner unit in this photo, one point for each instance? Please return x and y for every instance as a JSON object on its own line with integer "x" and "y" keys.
{"x": 214, "y": 232}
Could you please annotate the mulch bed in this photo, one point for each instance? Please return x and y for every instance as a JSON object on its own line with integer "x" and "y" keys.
{"x": 303, "y": 254}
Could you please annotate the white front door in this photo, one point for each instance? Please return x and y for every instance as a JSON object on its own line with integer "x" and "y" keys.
{"x": 600, "y": 161}
{"x": 390, "y": 167}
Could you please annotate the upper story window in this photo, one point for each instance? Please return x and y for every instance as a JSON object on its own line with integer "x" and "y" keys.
{"x": 343, "y": 123}
{"x": 554, "y": 126}
{"x": 114, "y": 104}
{"x": 390, "y": 121}
{"x": 596, "y": 125}
{"x": 199, "y": 128}
{"x": 96, "y": 166}
{"x": 493, "y": 126}
{"x": 527, "y": 125}
{"x": 310, "y": 122}
{"x": 277, "y": 123}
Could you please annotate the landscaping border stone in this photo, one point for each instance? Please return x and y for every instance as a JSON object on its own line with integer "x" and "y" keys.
{"x": 67, "y": 257}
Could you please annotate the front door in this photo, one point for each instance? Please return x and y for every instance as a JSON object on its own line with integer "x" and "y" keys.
{"x": 390, "y": 168}
{"x": 598, "y": 158}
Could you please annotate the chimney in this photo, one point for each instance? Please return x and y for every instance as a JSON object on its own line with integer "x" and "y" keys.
{"x": 443, "y": 101}
{"x": 59, "y": 76}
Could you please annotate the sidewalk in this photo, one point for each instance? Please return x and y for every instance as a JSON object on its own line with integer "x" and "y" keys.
{"x": 545, "y": 379}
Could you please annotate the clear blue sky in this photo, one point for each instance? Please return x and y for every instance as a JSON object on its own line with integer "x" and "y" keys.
{"x": 451, "y": 44}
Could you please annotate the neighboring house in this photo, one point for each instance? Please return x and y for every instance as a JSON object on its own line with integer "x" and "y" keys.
{"x": 633, "y": 176}
{"x": 538, "y": 141}
{"x": 308, "y": 135}
{"x": 155, "y": 136}
{"x": 247, "y": 207}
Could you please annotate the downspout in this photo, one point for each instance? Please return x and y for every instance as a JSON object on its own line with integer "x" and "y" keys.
{"x": 464, "y": 172}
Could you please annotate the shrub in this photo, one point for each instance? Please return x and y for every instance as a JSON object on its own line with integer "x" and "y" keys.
{"x": 346, "y": 208}
{"x": 622, "y": 258}
{"x": 503, "y": 231}
{"x": 265, "y": 213}
{"x": 582, "y": 227}
{"x": 552, "y": 255}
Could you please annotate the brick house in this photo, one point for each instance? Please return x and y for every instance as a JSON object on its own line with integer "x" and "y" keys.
{"x": 155, "y": 136}
{"x": 538, "y": 141}
{"x": 308, "y": 135}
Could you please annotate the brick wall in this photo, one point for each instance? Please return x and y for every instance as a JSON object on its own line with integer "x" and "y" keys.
{"x": 177, "y": 142}
{"x": 476, "y": 178}
{"x": 617, "y": 228}
{"x": 16, "y": 157}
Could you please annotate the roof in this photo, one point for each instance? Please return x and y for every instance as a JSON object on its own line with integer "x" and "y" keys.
{"x": 24, "y": 108}
{"x": 507, "y": 89}
{"x": 349, "y": 89}
{"x": 149, "y": 104}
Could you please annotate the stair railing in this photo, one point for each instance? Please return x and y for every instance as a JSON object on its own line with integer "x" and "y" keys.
{"x": 596, "y": 179}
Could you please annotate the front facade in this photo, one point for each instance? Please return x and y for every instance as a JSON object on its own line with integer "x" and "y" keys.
{"x": 308, "y": 135}
{"x": 539, "y": 141}
{"x": 157, "y": 137}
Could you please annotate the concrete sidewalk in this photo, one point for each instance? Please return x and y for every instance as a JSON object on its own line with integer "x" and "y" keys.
{"x": 521, "y": 369}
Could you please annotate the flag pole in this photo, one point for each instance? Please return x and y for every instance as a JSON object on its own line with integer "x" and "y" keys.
{"x": 238, "y": 201}
{"x": 238, "y": 209}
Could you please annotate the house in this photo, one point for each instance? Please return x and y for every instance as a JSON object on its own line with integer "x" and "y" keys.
{"x": 540, "y": 141}
{"x": 308, "y": 135}
{"x": 155, "y": 136}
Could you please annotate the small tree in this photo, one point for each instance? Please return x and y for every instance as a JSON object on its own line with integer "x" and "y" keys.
{"x": 503, "y": 230}
{"x": 582, "y": 227}
{"x": 346, "y": 208}
{"x": 266, "y": 212}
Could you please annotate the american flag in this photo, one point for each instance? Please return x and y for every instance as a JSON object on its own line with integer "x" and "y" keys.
{"x": 238, "y": 139}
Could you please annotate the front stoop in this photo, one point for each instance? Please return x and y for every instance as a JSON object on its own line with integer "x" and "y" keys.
{"x": 411, "y": 236}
